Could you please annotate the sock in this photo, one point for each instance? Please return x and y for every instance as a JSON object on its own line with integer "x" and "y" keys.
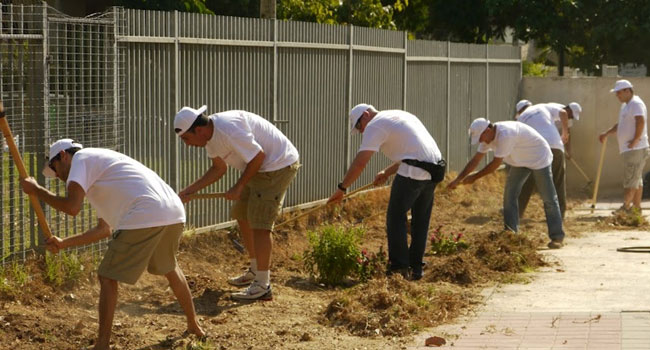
{"x": 254, "y": 265}
{"x": 263, "y": 278}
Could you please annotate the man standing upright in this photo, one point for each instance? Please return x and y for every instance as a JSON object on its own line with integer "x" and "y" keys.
{"x": 528, "y": 154}
{"x": 146, "y": 214}
{"x": 268, "y": 162}
{"x": 419, "y": 166}
{"x": 632, "y": 134}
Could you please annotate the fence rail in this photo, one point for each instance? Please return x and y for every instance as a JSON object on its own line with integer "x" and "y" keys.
{"x": 117, "y": 79}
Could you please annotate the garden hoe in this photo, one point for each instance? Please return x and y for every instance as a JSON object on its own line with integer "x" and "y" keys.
{"x": 600, "y": 169}
{"x": 22, "y": 172}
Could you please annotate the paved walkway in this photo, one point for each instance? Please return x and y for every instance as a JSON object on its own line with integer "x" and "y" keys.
{"x": 592, "y": 298}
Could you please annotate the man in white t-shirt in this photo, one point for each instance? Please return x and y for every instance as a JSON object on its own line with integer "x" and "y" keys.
{"x": 268, "y": 162}
{"x": 419, "y": 166}
{"x": 528, "y": 154}
{"x": 146, "y": 214}
{"x": 632, "y": 134}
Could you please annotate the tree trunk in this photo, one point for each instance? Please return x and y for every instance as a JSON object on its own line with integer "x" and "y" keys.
{"x": 560, "y": 63}
{"x": 267, "y": 9}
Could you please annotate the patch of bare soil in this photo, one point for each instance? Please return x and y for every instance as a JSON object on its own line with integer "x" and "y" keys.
{"x": 303, "y": 314}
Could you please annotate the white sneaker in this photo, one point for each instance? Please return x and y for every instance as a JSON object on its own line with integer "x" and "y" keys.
{"x": 244, "y": 280}
{"x": 254, "y": 292}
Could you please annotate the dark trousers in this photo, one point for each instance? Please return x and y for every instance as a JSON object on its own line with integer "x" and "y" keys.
{"x": 417, "y": 196}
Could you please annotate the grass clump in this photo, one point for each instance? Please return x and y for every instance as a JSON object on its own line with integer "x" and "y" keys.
{"x": 62, "y": 269}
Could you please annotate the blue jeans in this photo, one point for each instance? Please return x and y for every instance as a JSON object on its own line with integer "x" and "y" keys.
{"x": 544, "y": 182}
{"x": 417, "y": 196}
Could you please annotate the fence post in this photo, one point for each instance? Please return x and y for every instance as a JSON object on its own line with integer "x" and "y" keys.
{"x": 405, "y": 70}
{"x": 116, "y": 83}
{"x": 487, "y": 82}
{"x": 175, "y": 168}
{"x": 43, "y": 137}
{"x": 274, "y": 86}
{"x": 448, "y": 98}
{"x": 348, "y": 138}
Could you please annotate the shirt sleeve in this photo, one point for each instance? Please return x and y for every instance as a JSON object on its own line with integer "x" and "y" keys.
{"x": 243, "y": 142}
{"x": 483, "y": 148}
{"x": 80, "y": 174}
{"x": 635, "y": 109}
{"x": 505, "y": 146}
{"x": 373, "y": 138}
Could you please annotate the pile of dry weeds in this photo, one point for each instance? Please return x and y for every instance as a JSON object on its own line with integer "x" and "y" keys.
{"x": 632, "y": 218}
{"x": 396, "y": 307}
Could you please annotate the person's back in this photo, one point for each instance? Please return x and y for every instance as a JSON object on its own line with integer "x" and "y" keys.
{"x": 539, "y": 118}
{"x": 519, "y": 145}
{"x": 124, "y": 192}
{"x": 242, "y": 128}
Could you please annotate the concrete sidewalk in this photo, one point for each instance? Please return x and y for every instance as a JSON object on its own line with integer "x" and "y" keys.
{"x": 591, "y": 297}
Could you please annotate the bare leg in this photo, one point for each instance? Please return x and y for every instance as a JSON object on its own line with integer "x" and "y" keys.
{"x": 628, "y": 197}
{"x": 107, "y": 303}
{"x": 263, "y": 247}
{"x": 181, "y": 290}
{"x": 247, "y": 236}
{"x": 638, "y": 194}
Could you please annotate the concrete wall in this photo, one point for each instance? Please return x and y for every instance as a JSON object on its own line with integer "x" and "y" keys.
{"x": 599, "y": 112}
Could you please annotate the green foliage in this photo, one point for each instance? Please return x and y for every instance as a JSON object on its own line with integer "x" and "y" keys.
{"x": 62, "y": 268}
{"x": 372, "y": 264}
{"x": 447, "y": 244}
{"x": 333, "y": 255}
{"x": 13, "y": 278}
{"x": 319, "y": 11}
{"x": 532, "y": 69}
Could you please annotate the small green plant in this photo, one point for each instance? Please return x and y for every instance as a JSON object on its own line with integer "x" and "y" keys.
{"x": 447, "y": 244}
{"x": 333, "y": 254}
{"x": 13, "y": 278}
{"x": 372, "y": 264}
{"x": 62, "y": 268}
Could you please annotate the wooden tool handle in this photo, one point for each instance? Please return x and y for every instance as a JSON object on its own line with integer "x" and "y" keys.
{"x": 324, "y": 205}
{"x": 207, "y": 195}
{"x": 22, "y": 172}
{"x": 600, "y": 169}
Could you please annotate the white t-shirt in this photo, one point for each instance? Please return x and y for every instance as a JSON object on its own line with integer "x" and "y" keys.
{"x": 125, "y": 193}
{"x": 239, "y": 136}
{"x": 539, "y": 118}
{"x": 519, "y": 145}
{"x": 627, "y": 124}
{"x": 401, "y": 135}
{"x": 555, "y": 108}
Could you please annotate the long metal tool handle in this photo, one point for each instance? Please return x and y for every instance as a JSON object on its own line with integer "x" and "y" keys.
{"x": 600, "y": 169}
{"x": 22, "y": 172}
{"x": 324, "y": 205}
{"x": 207, "y": 195}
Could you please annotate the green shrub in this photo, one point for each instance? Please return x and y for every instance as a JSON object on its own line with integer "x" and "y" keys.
{"x": 334, "y": 254}
{"x": 532, "y": 69}
{"x": 447, "y": 244}
{"x": 62, "y": 268}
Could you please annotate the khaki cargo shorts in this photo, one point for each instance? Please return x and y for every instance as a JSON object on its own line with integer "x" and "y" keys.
{"x": 131, "y": 251}
{"x": 262, "y": 198}
{"x": 633, "y": 163}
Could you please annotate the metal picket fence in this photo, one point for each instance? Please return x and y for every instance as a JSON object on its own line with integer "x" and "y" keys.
{"x": 115, "y": 80}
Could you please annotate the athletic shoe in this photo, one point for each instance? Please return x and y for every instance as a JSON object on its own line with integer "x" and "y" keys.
{"x": 555, "y": 244}
{"x": 244, "y": 280}
{"x": 254, "y": 292}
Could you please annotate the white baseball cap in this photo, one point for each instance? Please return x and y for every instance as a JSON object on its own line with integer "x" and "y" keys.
{"x": 523, "y": 103}
{"x": 355, "y": 114}
{"x": 620, "y": 85}
{"x": 55, "y": 149}
{"x": 575, "y": 109}
{"x": 186, "y": 117}
{"x": 476, "y": 129}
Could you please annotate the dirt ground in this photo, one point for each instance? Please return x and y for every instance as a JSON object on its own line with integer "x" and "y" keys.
{"x": 40, "y": 316}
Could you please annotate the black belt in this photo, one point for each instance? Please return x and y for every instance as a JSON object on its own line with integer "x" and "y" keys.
{"x": 436, "y": 170}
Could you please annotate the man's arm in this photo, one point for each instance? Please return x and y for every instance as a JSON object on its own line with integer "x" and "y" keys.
{"x": 639, "y": 124}
{"x": 604, "y": 135}
{"x": 214, "y": 173}
{"x": 101, "y": 231}
{"x": 383, "y": 175}
{"x": 471, "y": 165}
{"x": 564, "y": 118}
{"x": 355, "y": 170}
{"x": 70, "y": 204}
{"x": 494, "y": 165}
{"x": 251, "y": 169}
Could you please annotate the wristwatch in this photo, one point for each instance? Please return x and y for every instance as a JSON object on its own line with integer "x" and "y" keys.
{"x": 340, "y": 186}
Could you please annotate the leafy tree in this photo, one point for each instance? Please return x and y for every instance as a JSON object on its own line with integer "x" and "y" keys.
{"x": 319, "y": 11}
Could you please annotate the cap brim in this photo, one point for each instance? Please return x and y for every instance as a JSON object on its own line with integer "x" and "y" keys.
{"x": 576, "y": 116}
{"x": 202, "y": 109}
{"x": 475, "y": 139}
{"x": 613, "y": 90}
{"x": 48, "y": 172}
{"x": 354, "y": 130}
